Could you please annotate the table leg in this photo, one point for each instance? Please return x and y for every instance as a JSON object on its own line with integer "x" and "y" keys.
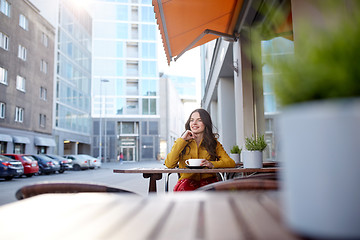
{"x": 153, "y": 178}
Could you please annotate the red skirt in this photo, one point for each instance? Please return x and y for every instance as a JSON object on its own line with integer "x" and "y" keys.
{"x": 187, "y": 184}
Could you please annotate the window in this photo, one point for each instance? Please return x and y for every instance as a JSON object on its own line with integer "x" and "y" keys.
{"x": 19, "y": 114}
{"x": 153, "y": 128}
{"x": 43, "y": 93}
{"x": 128, "y": 128}
{"x": 43, "y": 66}
{"x": 134, "y": 31}
{"x": 44, "y": 40}
{"x": 149, "y": 106}
{"x": 132, "y": 87}
{"x": 134, "y": 13}
{"x": 148, "y": 50}
{"x": 5, "y": 7}
{"x": 3, "y": 76}
{"x": 42, "y": 120}
{"x": 4, "y": 41}
{"x": 132, "y": 68}
{"x": 2, "y": 110}
{"x": 149, "y": 68}
{"x": 149, "y": 87}
{"x": 20, "y": 83}
{"x": 148, "y": 32}
{"x": 22, "y": 53}
{"x": 132, "y": 106}
{"x": 132, "y": 50}
{"x": 23, "y": 22}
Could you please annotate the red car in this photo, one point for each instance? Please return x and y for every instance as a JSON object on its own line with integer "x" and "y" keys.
{"x": 29, "y": 163}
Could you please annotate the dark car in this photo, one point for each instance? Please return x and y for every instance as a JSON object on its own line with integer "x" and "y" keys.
{"x": 46, "y": 165}
{"x": 10, "y": 168}
{"x": 30, "y": 165}
{"x": 65, "y": 164}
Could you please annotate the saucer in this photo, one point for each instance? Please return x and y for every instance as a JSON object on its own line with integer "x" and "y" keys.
{"x": 195, "y": 167}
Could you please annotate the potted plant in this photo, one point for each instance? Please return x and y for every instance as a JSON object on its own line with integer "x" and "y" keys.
{"x": 235, "y": 153}
{"x": 319, "y": 129}
{"x": 253, "y": 155}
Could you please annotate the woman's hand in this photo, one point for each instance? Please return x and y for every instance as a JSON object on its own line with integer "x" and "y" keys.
{"x": 188, "y": 135}
{"x": 206, "y": 163}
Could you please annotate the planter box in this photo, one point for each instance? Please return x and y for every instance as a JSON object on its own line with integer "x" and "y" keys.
{"x": 252, "y": 159}
{"x": 235, "y": 157}
{"x": 320, "y": 153}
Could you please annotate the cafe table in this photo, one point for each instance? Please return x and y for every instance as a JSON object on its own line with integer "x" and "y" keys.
{"x": 156, "y": 173}
{"x": 186, "y": 215}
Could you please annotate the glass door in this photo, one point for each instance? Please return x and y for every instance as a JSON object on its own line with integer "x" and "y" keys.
{"x": 129, "y": 153}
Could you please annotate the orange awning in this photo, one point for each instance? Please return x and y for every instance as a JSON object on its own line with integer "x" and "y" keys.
{"x": 185, "y": 24}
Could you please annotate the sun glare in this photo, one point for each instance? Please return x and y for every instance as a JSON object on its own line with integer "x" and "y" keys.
{"x": 81, "y": 3}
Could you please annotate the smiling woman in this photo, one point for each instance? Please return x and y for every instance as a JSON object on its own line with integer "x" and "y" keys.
{"x": 198, "y": 142}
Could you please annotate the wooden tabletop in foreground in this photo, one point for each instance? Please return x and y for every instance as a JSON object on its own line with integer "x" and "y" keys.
{"x": 188, "y": 215}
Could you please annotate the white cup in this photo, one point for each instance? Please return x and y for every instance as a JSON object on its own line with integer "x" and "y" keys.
{"x": 193, "y": 162}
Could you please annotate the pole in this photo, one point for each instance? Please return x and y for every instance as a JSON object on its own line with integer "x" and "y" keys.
{"x": 105, "y": 144}
{"x": 100, "y": 128}
{"x": 101, "y": 114}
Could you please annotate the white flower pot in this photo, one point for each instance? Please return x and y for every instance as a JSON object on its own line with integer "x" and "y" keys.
{"x": 252, "y": 159}
{"x": 235, "y": 157}
{"x": 320, "y": 153}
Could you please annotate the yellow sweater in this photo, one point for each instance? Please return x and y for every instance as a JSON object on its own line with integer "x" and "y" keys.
{"x": 172, "y": 159}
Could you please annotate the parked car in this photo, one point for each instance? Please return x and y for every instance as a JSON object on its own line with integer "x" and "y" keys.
{"x": 79, "y": 162}
{"x": 30, "y": 165}
{"x": 10, "y": 168}
{"x": 46, "y": 165}
{"x": 94, "y": 162}
{"x": 65, "y": 164}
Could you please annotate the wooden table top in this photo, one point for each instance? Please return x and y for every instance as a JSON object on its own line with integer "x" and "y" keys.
{"x": 203, "y": 170}
{"x": 187, "y": 215}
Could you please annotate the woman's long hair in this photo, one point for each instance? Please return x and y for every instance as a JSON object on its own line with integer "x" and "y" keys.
{"x": 209, "y": 138}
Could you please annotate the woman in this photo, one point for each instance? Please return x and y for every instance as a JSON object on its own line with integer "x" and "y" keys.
{"x": 198, "y": 141}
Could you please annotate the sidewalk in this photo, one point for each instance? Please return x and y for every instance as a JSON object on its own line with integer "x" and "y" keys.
{"x": 135, "y": 181}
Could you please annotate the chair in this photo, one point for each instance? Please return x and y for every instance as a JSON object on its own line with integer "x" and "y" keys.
{"x": 63, "y": 187}
{"x": 242, "y": 184}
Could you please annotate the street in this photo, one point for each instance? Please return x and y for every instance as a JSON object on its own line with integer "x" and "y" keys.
{"x": 104, "y": 175}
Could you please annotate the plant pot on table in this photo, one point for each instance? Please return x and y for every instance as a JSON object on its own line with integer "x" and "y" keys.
{"x": 252, "y": 159}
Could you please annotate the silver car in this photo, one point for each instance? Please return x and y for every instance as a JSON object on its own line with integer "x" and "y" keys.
{"x": 79, "y": 162}
{"x": 94, "y": 162}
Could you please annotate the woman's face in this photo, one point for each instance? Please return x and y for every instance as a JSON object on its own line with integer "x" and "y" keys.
{"x": 196, "y": 124}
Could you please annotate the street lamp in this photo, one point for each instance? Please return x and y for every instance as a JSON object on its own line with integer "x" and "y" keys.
{"x": 100, "y": 129}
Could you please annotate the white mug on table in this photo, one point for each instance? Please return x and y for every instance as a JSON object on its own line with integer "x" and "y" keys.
{"x": 193, "y": 162}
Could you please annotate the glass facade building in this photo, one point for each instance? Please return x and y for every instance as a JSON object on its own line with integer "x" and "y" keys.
{"x": 73, "y": 80}
{"x": 125, "y": 80}
{"x": 185, "y": 86}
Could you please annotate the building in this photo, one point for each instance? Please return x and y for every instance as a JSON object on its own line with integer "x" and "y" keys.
{"x": 72, "y": 78}
{"x": 72, "y": 128}
{"x": 125, "y": 107}
{"x": 26, "y": 79}
{"x": 171, "y": 115}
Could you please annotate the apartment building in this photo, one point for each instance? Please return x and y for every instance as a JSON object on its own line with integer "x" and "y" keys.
{"x": 26, "y": 79}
